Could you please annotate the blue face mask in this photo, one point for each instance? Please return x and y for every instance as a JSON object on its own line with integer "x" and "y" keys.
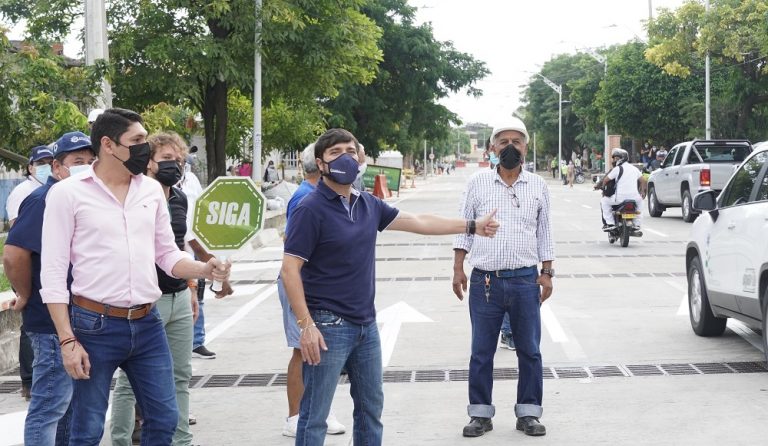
{"x": 42, "y": 173}
{"x": 343, "y": 170}
{"x": 494, "y": 159}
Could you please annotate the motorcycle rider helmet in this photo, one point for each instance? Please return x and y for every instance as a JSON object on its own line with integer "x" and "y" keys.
{"x": 622, "y": 154}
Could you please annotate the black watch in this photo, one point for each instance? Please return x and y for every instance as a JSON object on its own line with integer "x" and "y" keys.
{"x": 548, "y": 271}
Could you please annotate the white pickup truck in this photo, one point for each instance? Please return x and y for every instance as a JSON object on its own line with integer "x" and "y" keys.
{"x": 692, "y": 167}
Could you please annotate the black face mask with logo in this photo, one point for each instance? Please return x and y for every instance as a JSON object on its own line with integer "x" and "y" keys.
{"x": 510, "y": 157}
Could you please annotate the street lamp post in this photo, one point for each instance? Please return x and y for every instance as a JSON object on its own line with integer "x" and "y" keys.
{"x": 559, "y": 90}
{"x": 256, "y": 172}
{"x": 603, "y": 60}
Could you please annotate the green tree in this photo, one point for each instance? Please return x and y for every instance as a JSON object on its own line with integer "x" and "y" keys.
{"x": 40, "y": 95}
{"x": 399, "y": 108}
{"x": 734, "y": 33}
{"x": 643, "y": 102}
{"x": 198, "y": 51}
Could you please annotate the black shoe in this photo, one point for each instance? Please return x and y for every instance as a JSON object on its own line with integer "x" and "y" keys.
{"x": 478, "y": 426}
{"x": 203, "y": 353}
{"x": 531, "y": 426}
{"x": 608, "y": 228}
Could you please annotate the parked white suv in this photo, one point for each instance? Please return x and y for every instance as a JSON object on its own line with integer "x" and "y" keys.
{"x": 727, "y": 254}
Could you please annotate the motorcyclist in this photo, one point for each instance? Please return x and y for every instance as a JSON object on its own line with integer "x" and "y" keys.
{"x": 630, "y": 186}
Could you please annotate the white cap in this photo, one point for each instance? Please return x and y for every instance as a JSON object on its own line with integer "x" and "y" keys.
{"x": 511, "y": 123}
{"x": 94, "y": 114}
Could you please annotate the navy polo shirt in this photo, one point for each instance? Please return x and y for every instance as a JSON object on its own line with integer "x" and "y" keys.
{"x": 339, "y": 248}
{"x": 27, "y": 233}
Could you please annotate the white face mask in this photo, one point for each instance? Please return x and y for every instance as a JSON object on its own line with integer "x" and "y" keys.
{"x": 361, "y": 170}
{"x": 74, "y": 170}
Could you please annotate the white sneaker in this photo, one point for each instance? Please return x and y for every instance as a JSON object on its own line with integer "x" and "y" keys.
{"x": 291, "y": 424}
{"x": 334, "y": 427}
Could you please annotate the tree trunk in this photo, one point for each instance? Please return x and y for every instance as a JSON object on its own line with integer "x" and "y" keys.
{"x": 215, "y": 117}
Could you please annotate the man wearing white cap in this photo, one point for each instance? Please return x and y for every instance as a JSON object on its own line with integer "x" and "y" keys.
{"x": 506, "y": 278}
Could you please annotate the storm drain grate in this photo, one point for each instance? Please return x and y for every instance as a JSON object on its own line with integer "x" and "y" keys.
{"x": 256, "y": 380}
{"x": 459, "y": 375}
{"x": 221, "y": 381}
{"x": 424, "y": 376}
{"x": 606, "y": 371}
{"x": 645, "y": 370}
{"x": 679, "y": 369}
{"x": 398, "y": 376}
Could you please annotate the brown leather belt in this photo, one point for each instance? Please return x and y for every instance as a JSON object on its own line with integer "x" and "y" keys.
{"x": 132, "y": 313}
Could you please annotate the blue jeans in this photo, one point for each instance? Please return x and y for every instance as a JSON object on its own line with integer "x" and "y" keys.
{"x": 48, "y": 415}
{"x": 519, "y": 297}
{"x": 140, "y": 348}
{"x": 358, "y": 348}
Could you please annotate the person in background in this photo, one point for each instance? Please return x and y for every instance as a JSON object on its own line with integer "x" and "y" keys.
{"x": 92, "y": 115}
{"x": 571, "y": 173}
{"x": 358, "y": 183}
{"x": 270, "y": 173}
{"x": 38, "y": 171}
{"x": 48, "y": 415}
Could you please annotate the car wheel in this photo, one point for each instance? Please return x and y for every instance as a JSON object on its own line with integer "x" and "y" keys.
{"x": 688, "y": 214}
{"x": 654, "y": 208}
{"x": 703, "y": 321}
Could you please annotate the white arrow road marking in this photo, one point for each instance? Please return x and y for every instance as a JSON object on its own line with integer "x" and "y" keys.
{"x": 660, "y": 234}
{"x": 390, "y": 320}
{"x": 240, "y": 313}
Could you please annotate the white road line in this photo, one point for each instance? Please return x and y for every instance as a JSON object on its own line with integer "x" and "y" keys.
{"x": 239, "y": 314}
{"x": 240, "y": 267}
{"x": 746, "y": 333}
{"x": 567, "y": 200}
{"x": 12, "y": 427}
{"x": 586, "y": 206}
{"x": 553, "y": 326}
{"x": 652, "y": 231}
{"x": 683, "y": 309}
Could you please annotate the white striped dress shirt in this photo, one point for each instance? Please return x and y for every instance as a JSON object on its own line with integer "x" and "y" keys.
{"x": 524, "y": 237}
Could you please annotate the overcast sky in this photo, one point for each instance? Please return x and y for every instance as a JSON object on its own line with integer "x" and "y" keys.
{"x": 514, "y": 37}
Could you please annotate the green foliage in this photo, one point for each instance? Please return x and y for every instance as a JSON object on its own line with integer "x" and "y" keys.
{"x": 164, "y": 117}
{"x": 734, "y": 33}
{"x": 40, "y": 96}
{"x": 399, "y": 108}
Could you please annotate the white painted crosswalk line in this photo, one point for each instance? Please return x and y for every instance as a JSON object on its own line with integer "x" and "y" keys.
{"x": 570, "y": 346}
{"x": 654, "y": 232}
{"x": 239, "y": 314}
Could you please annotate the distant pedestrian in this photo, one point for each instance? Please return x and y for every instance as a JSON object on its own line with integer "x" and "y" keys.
{"x": 571, "y": 173}
{"x": 552, "y": 164}
{"x": 270, "y": 173}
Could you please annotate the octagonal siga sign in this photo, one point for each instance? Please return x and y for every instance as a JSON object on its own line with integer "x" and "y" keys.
{"x": 228, "y": 214}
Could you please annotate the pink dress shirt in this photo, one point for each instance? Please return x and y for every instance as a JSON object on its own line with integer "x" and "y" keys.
{"x": 113, "y": 248}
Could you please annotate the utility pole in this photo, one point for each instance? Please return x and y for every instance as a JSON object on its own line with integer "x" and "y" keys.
{"x": 256, "y": 172}
{"x": 559, "y": 90}
{"x": 604, "y": 60}
{"x": 97, "y": 45}
{"x": 707, "y": 111}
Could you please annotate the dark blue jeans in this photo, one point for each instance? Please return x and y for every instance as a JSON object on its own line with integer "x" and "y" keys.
{"x": 48, "y": 416}
{"x": 520, "y": 298}
{"x": 140, "y": 348}
{"x": 358, "y": 348}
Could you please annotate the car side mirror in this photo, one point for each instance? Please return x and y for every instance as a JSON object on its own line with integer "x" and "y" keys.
{"x": 705, "y": 201}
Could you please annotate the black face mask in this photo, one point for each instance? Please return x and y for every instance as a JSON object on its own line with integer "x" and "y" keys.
{"x": 168, "y": 172}
{"x": 510, "y": 157}
{"x": 138, "y": 159}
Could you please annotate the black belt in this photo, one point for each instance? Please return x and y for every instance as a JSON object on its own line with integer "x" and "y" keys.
{"x": 507, "y": 273}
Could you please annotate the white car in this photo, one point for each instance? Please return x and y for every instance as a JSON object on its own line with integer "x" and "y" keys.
{"x": 727, "y": 254}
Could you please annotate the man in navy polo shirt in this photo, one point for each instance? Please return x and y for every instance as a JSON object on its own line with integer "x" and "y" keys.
{"x": 329, "y": 275}
{"x": 48, "y": 415}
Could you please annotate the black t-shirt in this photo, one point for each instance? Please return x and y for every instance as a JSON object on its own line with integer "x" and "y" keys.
{"x": 177, "y": 207}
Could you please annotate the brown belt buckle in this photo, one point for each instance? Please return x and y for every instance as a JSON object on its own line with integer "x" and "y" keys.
{"x": 130, "y": 312}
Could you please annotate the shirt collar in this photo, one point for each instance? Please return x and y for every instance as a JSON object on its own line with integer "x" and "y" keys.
{"x": 329, "y": 193}
{"x": 522, "y": 178}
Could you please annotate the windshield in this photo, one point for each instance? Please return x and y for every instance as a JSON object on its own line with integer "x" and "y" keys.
{"x": 722, "y": 154}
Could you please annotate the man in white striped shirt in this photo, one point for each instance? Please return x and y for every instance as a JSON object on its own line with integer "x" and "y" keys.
{"x": 505, "y": 278}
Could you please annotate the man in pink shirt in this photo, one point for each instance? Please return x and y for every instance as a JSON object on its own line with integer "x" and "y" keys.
{"x": 111, "y": 224}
